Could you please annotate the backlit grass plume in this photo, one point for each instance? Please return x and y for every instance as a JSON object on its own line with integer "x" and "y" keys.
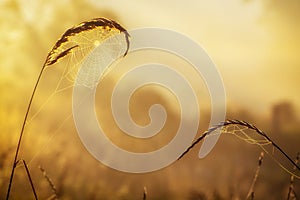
{"x": 83, "y": 37}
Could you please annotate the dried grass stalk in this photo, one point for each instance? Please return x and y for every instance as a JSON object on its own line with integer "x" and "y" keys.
{"x": 51, "y": 184}
{"x": 292, "y": 194}
{"x": 252, "y": 187}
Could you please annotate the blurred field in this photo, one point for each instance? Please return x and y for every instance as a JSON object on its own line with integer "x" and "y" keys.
{"x": 254, "y": 44}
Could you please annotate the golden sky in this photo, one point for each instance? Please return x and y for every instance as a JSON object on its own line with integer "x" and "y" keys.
{"x": 255, "y": 44}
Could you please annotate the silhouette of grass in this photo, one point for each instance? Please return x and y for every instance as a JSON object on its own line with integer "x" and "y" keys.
{"x": 51, "y": 184}
{"x": 145, "y": 193}
{"x": 243, "y": 124}
{"x": 252, "y": 187}
{"x": 60, "y": 50}
{"x": 58, "y": 53}
{"x": 291, "y": 193}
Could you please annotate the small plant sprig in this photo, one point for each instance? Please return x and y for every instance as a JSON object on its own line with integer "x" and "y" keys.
{"x": 51, "y": 184}
{"x": 292, "y": 194}
{"x": 252, "y": 187}
{"x": 145, "y": 193}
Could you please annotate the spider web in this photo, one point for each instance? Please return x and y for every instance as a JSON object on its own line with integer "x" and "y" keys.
{"x": 86, "y": 42}
{"x": 110, "y": 42}
{"x": 96, "y": 62}
{"x": 250, "y": 136}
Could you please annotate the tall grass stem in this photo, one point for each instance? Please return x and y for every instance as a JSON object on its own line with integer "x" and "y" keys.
{"x": 22, "y": 132}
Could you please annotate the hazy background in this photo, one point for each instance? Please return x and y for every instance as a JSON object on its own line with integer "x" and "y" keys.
{"x": 255, "y": 45}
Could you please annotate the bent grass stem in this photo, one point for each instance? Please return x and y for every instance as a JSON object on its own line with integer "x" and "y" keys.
{"x": 22, "y": 132}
